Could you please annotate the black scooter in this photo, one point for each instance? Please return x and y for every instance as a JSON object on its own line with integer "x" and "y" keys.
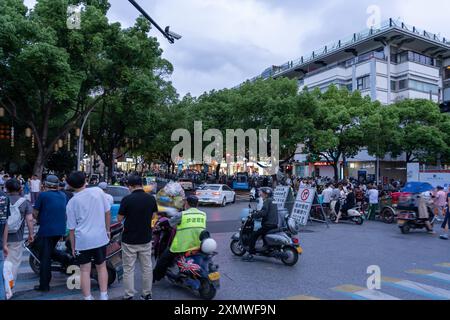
{"x": 62, "y": 257}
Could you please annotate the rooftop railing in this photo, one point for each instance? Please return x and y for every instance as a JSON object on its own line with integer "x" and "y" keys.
{"x": 355, "y": 38}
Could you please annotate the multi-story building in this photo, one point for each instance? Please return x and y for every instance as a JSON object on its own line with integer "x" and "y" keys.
{"x": 389, "y": 63}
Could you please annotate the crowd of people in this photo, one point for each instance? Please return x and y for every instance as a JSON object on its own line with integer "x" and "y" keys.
{"x": 72, "y": 210}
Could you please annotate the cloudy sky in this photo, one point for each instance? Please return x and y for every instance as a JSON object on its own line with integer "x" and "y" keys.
{"x": 227, "y": 41}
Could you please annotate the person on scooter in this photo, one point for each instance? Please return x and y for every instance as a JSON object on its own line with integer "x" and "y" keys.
{"x": 190, "y": 224}
{"x": 269, "y": 215}
{"x": 348, "y": 204}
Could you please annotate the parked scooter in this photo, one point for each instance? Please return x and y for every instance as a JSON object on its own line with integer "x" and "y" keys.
{"x": 354, "y": 214}
{"x": 280, "y": 243}
{"x": 62, "y": 258}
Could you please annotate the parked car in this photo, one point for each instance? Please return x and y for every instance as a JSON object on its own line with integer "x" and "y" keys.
{"x": 220, "y": 194}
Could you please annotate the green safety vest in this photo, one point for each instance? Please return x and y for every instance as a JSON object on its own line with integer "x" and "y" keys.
{"x": 187, "y": 238}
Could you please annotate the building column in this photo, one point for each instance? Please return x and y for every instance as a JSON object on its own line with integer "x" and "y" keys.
{"x": 354, "y": 83}
{"x": 389, "y": 90}
{"x": 373, "y": 79}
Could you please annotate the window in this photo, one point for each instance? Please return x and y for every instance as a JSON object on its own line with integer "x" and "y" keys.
{"x": 402, "y": 84}
{"x": 393, "y": 85}
{"x": 350, "y": 87}
{"x": 423, "y": 86}
{"x": 363, "y": 83}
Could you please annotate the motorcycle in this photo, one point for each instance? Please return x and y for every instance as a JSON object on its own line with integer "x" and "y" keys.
{"x": 408, "y": 214}
{"x": 62, "y": 257}
{"x": 280, "y": 243}
{"x": 353, "y": 214}
{"x": 194, "y": 270}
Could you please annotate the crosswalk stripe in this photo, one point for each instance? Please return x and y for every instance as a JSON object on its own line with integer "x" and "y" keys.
{"x": 302, "y": 297}
{"x": 418, "y": 288}
{"x": 432, "y": 274}
{"x": 360, "y": 293}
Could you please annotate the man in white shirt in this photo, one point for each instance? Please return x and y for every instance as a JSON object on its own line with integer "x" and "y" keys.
{"x": 373, "y": 202}
{"x": 327, "y": 194}
{"x": 35, "y": 188}
{"x": 104, "y": 187}
{"x": 88, "y": 219}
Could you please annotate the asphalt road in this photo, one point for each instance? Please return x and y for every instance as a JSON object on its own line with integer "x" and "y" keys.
{"x": 333, "y": 265}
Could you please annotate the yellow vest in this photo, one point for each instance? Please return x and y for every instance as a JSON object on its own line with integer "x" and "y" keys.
{"x": 187, "y": 238}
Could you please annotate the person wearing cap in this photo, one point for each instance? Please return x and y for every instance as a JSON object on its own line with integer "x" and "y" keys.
{"x": 136, "y": 210}
{"x": 50, "y": 212}
{"x": 269, "y": 215}
{"x": 190, "y": 224}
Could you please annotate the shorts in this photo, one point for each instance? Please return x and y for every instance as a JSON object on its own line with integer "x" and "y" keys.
{"x": 86, "y": 256}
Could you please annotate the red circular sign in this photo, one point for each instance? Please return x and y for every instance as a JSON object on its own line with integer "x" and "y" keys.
{"x": 305, "y": 195}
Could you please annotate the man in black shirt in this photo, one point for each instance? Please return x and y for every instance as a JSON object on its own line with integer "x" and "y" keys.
{"x": 137, "y": 210}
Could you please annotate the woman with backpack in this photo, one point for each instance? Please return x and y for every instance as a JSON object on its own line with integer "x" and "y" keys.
{"x": 21, "y": 213}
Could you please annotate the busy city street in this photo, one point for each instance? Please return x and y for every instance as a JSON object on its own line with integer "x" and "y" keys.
{"x": 333, "y": 265}
{"x": 224, "y": 157}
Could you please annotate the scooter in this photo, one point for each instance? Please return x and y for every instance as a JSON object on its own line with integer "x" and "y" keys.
{"x": 280, "y": 243}
{"x": 354, "y": 214}
{"x": 196, "y": 270}
{"x": 407, "y": 220}
{"x": 163, "y": 233}
{"x": 62, "y": 257}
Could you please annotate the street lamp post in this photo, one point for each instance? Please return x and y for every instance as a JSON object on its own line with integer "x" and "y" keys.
{"x": 80, "y": 140}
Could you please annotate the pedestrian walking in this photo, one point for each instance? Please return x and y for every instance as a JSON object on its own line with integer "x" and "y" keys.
{"x": 373, "y": 195}
{"x": 4, "y": 215}
{"x": 440, "y": 201}
{"x": 35, "y": 188}
{"x": 137, "y": 210}
{"x": 50, "y": 212}
{"x": 446, "y": 223}
{"x": 23, "y": 211}
{"x": 88, "y": 221}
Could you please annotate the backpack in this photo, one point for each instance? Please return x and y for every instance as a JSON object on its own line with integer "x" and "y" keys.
{"x": 15, "y": 219}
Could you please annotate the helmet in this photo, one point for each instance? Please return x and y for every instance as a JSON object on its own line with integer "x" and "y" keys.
{"x": 267, "y": 191}
{"x": 52, "y": 181}
{"x": 209, "y": 245}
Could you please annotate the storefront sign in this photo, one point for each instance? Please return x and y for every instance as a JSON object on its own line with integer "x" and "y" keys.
{"x": 302, "y": 205}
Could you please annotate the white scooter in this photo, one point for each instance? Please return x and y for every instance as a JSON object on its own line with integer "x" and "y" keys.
{"x": 354, "y": 214}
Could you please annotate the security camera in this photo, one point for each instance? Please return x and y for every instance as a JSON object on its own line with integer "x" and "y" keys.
{"x": 174, "y": 35}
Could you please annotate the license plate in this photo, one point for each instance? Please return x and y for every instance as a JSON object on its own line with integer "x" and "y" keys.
{"x": 214, "y": 276}
{"x": 299, "y": 249}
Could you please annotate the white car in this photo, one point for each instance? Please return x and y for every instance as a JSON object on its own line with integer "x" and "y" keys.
{"x": 216, "y": 194}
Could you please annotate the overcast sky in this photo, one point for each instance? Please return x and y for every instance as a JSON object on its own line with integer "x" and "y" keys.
{"x": 227, "y": 41}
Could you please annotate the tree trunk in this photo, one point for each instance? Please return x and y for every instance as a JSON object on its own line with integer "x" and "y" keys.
{"x": 39, "y": 164}
{"x": 336, "y": 171}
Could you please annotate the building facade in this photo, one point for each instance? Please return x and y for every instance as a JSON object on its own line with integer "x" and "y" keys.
{"x": 391, "y": 63}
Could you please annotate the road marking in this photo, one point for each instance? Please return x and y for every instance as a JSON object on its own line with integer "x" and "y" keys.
{"x": 302, "y": 297}
{"x": 432, "y": 274}
{"x": 360, "y": 293}
{"x": 418, "y": 288}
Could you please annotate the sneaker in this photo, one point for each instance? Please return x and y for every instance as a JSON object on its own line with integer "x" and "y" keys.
{"x": 443, "y": 237}
{"x": 147, "y": 297}
{"x": 127, "y": 298}
{"x": 89, "y": 298}
{"x": 104, "y": 297}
